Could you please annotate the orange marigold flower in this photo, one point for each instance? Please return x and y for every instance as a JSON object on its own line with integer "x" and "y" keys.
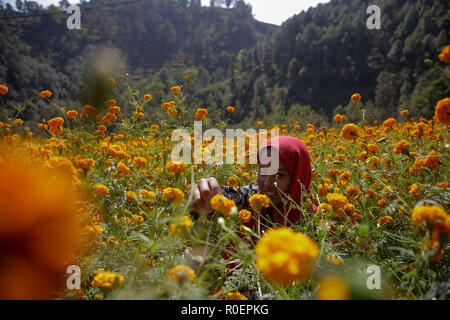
{"x": 445, "y": 54}
{"x": 72, "y": 114}
{"x": 350, "y": 131}
{"x": 111, "y": 81}
{"x": 339, "y": 118}
{"x": 283, "y": 264}
{"x": 139, "y": 115}
{"x": 221, "y": 204}
{"x": 148, "y": 97}
{"x": 101, "y": 190}
{"x": 388, "y": 124}
{"x": 356, "y": 97}
{"x": 88, "y": 110}
{"x": 130, "y": 195}
{"x": 18, "y": 122}
{"x": 245, "y": 215}
{"x": 235, "y": 296}
{"x": 149, "y": 195}
{"x": 386, "y": 219}
{"x": 114, "y": 109}
{"x": 372, "y": 148}
{"x": 140, "y": 161}
{"x": 231, "y": 109}
{"x": 111, "y": 102}
{"x": 335, "y": 260}
{"x": 46, "y": 94}
{"x": 176, "y": 166}
{"x": 442, "y": 111}
{"x": 109, "y": 118}
{"x": 175, "y": 89}
{"x": 3, "y": 89}
{"x": 200, "y": 114}
{"x": 122, "y": 168}
{"x": 108, "y": 280}
{"x": 259, "y": 123}
{"x": 404, "y": 113}
{"x": 430, "y": 214}
{"x": 401, "y": 147}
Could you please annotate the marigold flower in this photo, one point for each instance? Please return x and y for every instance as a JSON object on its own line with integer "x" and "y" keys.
{"x": 111, "y": 102}
{"x": 175, "y": 89}
{"x": 231, "y": 109}
{"x": 445, "y": 54}
{"x": 88, "y": 110}
{"x": 138, "y": 115}
{"x": 55, "y": 125}
{"x": 350, "y": 131}
{"x": 356, "y": 97}
{"x": 181, "y": 272}
{"x": 101, "y": 190}
{"x": 111, "y": 81}
{"x": 145, "y": 194}
{"x": 404, "y": 113}
{"x": 122, "y": 168}
{"x": 401, "y": 147}
{"x": 429, "y": 213}
{"x": 46, "y": 94}
{"x": 140, "y": 161}
{"x": 174, "y": 194}
{"x": 281, "y": 263}
{"x": 18, "y": 122}
{"x": 176, "y": 166}
{"x": 259, "y": 123}
{"x": 72, "y": 114}
{"x": 235, "y": 296}
{"x": 245, "y": 215}
{"x": 3, "y": 89}
{"x": 333, "y": 288}
{"x": 372, "y": 148}
{"x": 114, "y": 109}
{"x": 186, "y": 222}
{"x": 337, "y": 199}
{"x": 386, "y": 220}
{"x": 339, "y": 118}
{"x": 220, "y": 204}
{"x": 335, "y": 260}
{"x": 108, "y": 280}
{"x": 442, "y": 111}
{"x": 258, "y": 201}
{"x": 148, "y": 97}
{"x": 200, "y": 114}
{"x": 131, "y": 195}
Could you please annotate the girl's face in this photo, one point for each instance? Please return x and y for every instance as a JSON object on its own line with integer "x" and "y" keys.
{"x": 266, "y": 183}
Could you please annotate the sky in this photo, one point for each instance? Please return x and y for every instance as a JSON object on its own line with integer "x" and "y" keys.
{"x": 270, "y": 11}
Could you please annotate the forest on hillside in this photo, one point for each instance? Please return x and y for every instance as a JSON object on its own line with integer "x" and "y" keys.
{"x": 307, "y": 68}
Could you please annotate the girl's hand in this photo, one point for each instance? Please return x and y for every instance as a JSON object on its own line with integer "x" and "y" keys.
{"x": 204, "y": 190}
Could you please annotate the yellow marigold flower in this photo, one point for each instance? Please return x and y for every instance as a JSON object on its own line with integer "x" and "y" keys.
{"x": 231, "y": 109}
{"x": 235, "y": 296}
{"x": 374, "y": 161}
{"x": 322, "y": 190}
{"x": 42, "y": 126}
{"x": 335, "y": 260}
{"x": 258, "y": 201}
{"x": 175, "y": 89}
{"x": 3, "y": 89}
{"x": 324, "y": 206}
{"x": 404, "y": 113}
{"x": 352, "y": 190}
{"x": 356, "y": 97}
{"x": 245, "y": 215}
{"x": 200, "y": 114}
{"x": 442, "y": 111}
{"x": 401, "y": 147}
{"x": 46, "y": 94}
{"x": 337, "y": 199}
{"x": 101, "y": 190}
{"x": 130, "y": 195}
{"x": 388, "y": 124}
{"x": 186, "y": 222}
{"x": 72, "y": 114}
{"x": 148, "y": 97}
{"x": 349, "y": 208}
{"x": 138, "y": 115}
{"x": 108, "y": 280}
{"x": 220, "y": 204}
{"x": 429, "y": 213}
{"x": 232, "y": 181}
{"x": 281, "y": 263}
{"x": 154, "y": 127}
{"x": 345, "y": 176}
{"x": 445, "y": 54}
{"x": 350, "y": 131}
{"x": 85, "y": 163}
{"x": 333, "y": 288}
{"x": 414, "y": 188}
{"x": 122, "y": 168}
{"x": 176, "y": 166}
{"x": 174, "y": 194}
{"x": 145, "y": 194}
{"x": 140, "y": 161}
{"x": 181, "y": 272}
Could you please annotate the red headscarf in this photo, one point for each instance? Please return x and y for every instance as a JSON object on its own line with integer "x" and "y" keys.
{"x": 295, "y": 156}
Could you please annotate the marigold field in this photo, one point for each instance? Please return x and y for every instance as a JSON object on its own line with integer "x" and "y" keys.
{"x": 96, "y": 188}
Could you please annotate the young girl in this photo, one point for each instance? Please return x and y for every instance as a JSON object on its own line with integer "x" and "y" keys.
{"x": 292, "y": 178}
